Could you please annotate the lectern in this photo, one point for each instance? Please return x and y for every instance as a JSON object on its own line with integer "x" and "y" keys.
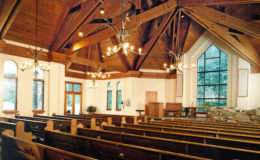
{"x": 155, "y": 110}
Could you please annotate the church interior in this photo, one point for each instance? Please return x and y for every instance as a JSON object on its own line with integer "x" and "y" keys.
{"x": 129, "y": 79}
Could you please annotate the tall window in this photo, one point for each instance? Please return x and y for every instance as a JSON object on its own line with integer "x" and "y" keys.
{"x": 38, "y": 89}
{"x": 10, "y": 85}
{"x": 119, "y": 96}
{"x": 73, "y": 98}
{"x": 109, "y": 96}
{"x": 212, "y": 78}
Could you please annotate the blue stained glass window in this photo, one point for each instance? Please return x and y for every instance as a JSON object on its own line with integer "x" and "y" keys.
{"x": 119, "y": 96}
{"x": 109, "y": 96}
{"x": 212, "y": 78}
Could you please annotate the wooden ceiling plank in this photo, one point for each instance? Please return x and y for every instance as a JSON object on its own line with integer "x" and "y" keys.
{"x": 74, "y": 21}
{"x": 122, "y": 56}
{"x": 149, "y": 45}
{"x": 214, "y": 2}
{"x": 193, "y": 35}
{"x": 226, "y": 20}
{"x": 8, "y": 13}
{"x": 135, "y": 20}
{"x": 92, "y": 63}
{"x": 244, "y": 50}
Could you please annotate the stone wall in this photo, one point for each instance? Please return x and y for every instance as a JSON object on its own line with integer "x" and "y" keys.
{"x": 223, "y": 114}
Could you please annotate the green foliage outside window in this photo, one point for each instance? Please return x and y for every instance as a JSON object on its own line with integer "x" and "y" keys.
{"x": 212, "y": 78}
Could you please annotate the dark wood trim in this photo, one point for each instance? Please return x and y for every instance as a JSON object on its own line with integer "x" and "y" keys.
{"x": 10, "y": 111}
{"x": 35, "y": 112}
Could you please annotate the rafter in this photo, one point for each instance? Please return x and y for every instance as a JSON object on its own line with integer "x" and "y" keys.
{"x": 149, "y": 45}
{"x": 135, "y": 20}
{"x": 99, "y": 52}
{"x": 239, "y": 44}
{"x": 92, "y": 63}
{"x": 226, "y": 20}
{"x": 8, "y": 12}
{"x": 214, "y": 2}
{"x": 74, "y": 22}
{"x": 122, "y": 57}
{"x": 69, "y": 64}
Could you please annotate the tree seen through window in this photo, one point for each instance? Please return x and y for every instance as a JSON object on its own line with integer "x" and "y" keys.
{"x": 212, "y": 78}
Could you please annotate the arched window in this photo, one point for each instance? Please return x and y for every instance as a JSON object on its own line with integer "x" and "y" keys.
{"x": 212, "y": 78}
{"x": 38, "y": 89}
{"x": 119, "y": 96}
{"x": 10, "y": 86}
{"x": 109, "y": 96}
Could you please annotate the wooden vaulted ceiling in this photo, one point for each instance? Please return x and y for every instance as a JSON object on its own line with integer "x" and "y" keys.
{"x": 234, "y": 22}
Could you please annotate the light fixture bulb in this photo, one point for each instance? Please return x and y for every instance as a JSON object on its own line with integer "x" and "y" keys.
{"x": 114, "y": 48}
{"x": 109, "y": 49}
{"x": 132, "y": 48}
{"x": 140, "y": 50}
{"x": 165, "y": 65}
{"x": 102, "y": 11}
{"x": 81, "y": 34}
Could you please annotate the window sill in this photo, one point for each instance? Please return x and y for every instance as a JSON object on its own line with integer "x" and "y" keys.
{"x": 35, "y": 112}
{"x": 108, "y": 109}
{"x": 118, "y": 109}
{"x": 10, "y": 112}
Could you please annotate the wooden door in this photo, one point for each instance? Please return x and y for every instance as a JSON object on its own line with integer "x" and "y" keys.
{"x": 150, "y": 96}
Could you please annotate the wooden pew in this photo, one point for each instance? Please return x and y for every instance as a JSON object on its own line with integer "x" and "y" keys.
{"x": 207, "y": 125}
{"x": 219, "y": 123}
{"x": 243, "y": 144}
{"x": 104, "y": 149}
{"x": 190, "y": 148}
{"x": 36, "y": 127}
{"x": 14, "y": 148}
{"x": 255, "y": 133}
{"x": 4, "y": 126}
{"x": 84, "y": 121}
{"x": 60, "y": 124}
{"x": 197, "y": 132}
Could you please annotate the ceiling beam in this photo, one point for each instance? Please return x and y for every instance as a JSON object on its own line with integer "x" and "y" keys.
{"x": 74, "y": 21}
{"x": 226, "y": 20}
{"x": 135, "y": 20}
{"x": 99, "y": 52}
{"x": 69, "y": 64}
{"x": 150, "y": 44}
{"x": 240, "y": 44}
{"x": 92, "y": 63}
{"x": 8, "y": 12}
{"x": 139, "y": 74}
{"x": 214, "y": 2}
{"x": 122, "y": 56}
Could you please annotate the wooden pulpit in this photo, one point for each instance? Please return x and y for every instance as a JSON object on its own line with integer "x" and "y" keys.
{"x": 155, "y": 110}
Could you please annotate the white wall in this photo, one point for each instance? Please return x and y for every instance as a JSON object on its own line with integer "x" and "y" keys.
{"x": 54, "y": 86}
{"x": 53, "y": 92}
{"x": 133, "y": 89}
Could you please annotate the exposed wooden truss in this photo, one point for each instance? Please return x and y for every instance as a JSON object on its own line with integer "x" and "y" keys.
{"x": 74, "y": 22}
{"x": 149, "y": 45}
{"x": 214, "y": 2}
{"x": 239, "y": 44}
{"x": 86, "y": 53}
{"x": 135, "y": 20}
{"x": 226, "y": 20}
